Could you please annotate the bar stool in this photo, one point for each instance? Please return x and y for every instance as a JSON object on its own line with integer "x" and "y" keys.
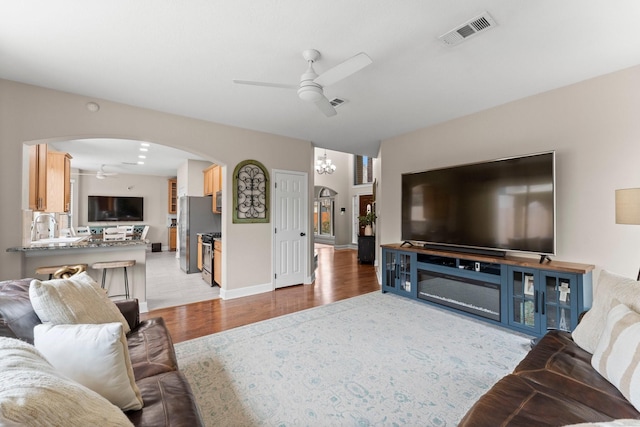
{"x": 52, "y": 269}
{"x": 115, "y": 264}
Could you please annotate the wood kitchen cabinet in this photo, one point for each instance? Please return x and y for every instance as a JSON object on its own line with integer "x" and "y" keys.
{"x": 208, "y": 180}
{"x": 172, "y": 239}
{"x": 173, "y": 196}
{"x": 217, "y": 186}
{"x": 213, "y": 184}
{"x": 49, "y": 180}
{"x": 217, "y": 262}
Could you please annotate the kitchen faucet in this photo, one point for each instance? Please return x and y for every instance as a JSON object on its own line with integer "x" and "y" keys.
{"x": 34, "y": 228}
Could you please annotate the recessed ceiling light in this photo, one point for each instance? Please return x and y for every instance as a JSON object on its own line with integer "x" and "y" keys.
{"x": 144, "y": 144}
{"x": 141, "y": 163}
{"x": 142, "y": 157}
{"x": 144, "y": 149}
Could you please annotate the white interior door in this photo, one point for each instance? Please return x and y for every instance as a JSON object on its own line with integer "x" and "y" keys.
{"x": 291, "y": 228}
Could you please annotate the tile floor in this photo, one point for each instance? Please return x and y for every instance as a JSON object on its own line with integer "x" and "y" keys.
{"x": 168, "y": 285}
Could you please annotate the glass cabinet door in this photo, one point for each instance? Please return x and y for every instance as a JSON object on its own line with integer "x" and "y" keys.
{"x": 398, "y": 272}
{"x": 404, "y": 272}
{"x": 557, "y": 297}
{"x": 390, "y": 264}
{"x": 524, "y": 298}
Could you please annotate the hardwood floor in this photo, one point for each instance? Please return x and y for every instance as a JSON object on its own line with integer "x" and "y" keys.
{"x": 339, "y": 276}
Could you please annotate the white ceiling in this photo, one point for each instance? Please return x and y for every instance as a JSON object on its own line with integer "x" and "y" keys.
{"x": 181, "y": 57}
{"x": 122, "y": 156}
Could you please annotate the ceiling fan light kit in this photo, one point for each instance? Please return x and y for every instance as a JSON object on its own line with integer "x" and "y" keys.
{"x": 311, "y": 86}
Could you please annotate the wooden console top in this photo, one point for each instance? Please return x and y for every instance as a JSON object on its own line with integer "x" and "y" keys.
{"x": 520, "y": 261}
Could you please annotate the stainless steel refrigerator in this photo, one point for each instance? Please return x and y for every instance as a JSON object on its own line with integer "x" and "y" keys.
{"x": 194, "y": 216}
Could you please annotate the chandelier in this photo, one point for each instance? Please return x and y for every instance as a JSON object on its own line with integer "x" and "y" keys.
{"x": 324, "y": 165}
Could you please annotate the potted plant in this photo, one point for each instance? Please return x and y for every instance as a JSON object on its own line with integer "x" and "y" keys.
{"x": 367, "y": 221}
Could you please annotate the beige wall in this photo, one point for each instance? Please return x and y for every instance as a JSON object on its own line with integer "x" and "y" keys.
{"x": 31, "y": 114}
{"x": 594, "y": 128}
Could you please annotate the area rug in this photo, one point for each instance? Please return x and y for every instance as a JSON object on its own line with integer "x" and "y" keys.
{"x": 375, "y": 359}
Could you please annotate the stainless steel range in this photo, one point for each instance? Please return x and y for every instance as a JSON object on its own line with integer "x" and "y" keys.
{"x": 207, "y": 256}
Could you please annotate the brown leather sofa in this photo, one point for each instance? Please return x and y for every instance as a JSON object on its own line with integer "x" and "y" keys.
{"x": 167, "y": 396}
{"x": 554, "y": 385}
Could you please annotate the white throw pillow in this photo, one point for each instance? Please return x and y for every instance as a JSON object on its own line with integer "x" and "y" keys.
{"x": 95, "y": 356}
{"x": 627, "y": 422}
{"x": 78, "y": 299}
{"x": 616, "y": 356}
{"x": 610, "y": 287}
{"x": 32, "y": 393}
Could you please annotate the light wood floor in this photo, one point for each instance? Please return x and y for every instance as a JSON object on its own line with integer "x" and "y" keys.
{"x": 339, "y": 276}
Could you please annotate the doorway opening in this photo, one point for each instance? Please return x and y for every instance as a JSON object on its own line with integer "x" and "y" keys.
{"x": 324, "y": 215}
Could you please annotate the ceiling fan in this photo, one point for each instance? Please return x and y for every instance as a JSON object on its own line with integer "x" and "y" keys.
{"x": 310, "y": 88}
{"x": 100, "y": 174}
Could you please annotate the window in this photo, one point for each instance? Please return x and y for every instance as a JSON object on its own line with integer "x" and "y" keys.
{"x": 323, "y": 211}
{"x": 363, "y": 170}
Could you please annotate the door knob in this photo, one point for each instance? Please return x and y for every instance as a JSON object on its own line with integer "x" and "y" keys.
{"x": 303, "y": 234}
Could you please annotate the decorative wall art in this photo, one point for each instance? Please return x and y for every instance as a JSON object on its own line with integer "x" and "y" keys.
{"x": 250, "y": 192}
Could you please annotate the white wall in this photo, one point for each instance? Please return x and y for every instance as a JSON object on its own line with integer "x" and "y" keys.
{"x": 594, "y": 128}
{"x": 31, "y": 114}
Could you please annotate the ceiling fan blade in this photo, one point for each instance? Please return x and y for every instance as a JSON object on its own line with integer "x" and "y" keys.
{"x": 252, "y": 83}
{"x": 344, "y": 69}
{"x": 325, "y": 106}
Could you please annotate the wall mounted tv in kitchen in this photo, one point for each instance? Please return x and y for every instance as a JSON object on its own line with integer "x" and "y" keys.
{"x": 115, "y": 208}
{"x": 490, "y": 207}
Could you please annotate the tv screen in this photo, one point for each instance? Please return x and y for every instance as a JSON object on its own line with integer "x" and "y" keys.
{"x": 115, "y": 208}
{"x": 501, "y": 205}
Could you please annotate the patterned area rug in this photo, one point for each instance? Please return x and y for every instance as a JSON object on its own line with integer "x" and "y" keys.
{"x": 376, "y": 359}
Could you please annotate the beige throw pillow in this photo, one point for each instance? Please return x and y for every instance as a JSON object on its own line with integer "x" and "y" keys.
{"x": 617, "y": 355}
{"x": 95, "y": 356}
{"x": 611, "y": 287}
{"x": 78, "y": 299}
{"x": 32, "y": 393}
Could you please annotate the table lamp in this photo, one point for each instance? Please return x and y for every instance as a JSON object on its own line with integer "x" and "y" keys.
{"x": 628, "y": 208}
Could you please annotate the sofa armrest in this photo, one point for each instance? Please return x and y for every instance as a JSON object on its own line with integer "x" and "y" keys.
{"x": 130, "y": 310}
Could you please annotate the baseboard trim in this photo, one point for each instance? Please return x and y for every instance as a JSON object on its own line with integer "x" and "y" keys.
{"x": 246, "y": 291}
{"x": 144, "y": 307}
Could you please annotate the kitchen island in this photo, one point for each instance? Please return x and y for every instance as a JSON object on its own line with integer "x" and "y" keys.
{"x": 90, "y": 251}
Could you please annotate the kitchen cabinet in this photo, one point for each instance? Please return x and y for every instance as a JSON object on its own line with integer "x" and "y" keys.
{"x": 173, "y": 196}
{"x": 213, "y": 184}
{"x": 49, "y": 180}
{"x": 217, "y": 262}
{"x": 172, "y": 239}
{"x": 208, "y": 180}
{"x": 217, "y": 186}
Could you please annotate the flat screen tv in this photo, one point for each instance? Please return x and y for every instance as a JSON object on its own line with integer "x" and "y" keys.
{"x": 490, "y": 207}
{"x": 115, "y": 208}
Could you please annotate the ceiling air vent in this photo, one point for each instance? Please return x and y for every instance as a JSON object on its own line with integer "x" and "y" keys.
{"x": 336, "y": 102}
{"x": 470, "y": 28}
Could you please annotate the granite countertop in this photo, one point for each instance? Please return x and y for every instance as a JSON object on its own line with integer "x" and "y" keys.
{"x": 86, "y": 244}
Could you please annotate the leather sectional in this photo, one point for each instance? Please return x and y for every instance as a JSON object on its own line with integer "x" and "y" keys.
{"x": 554, "y": 385}
{"x": 168, "y": 399}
